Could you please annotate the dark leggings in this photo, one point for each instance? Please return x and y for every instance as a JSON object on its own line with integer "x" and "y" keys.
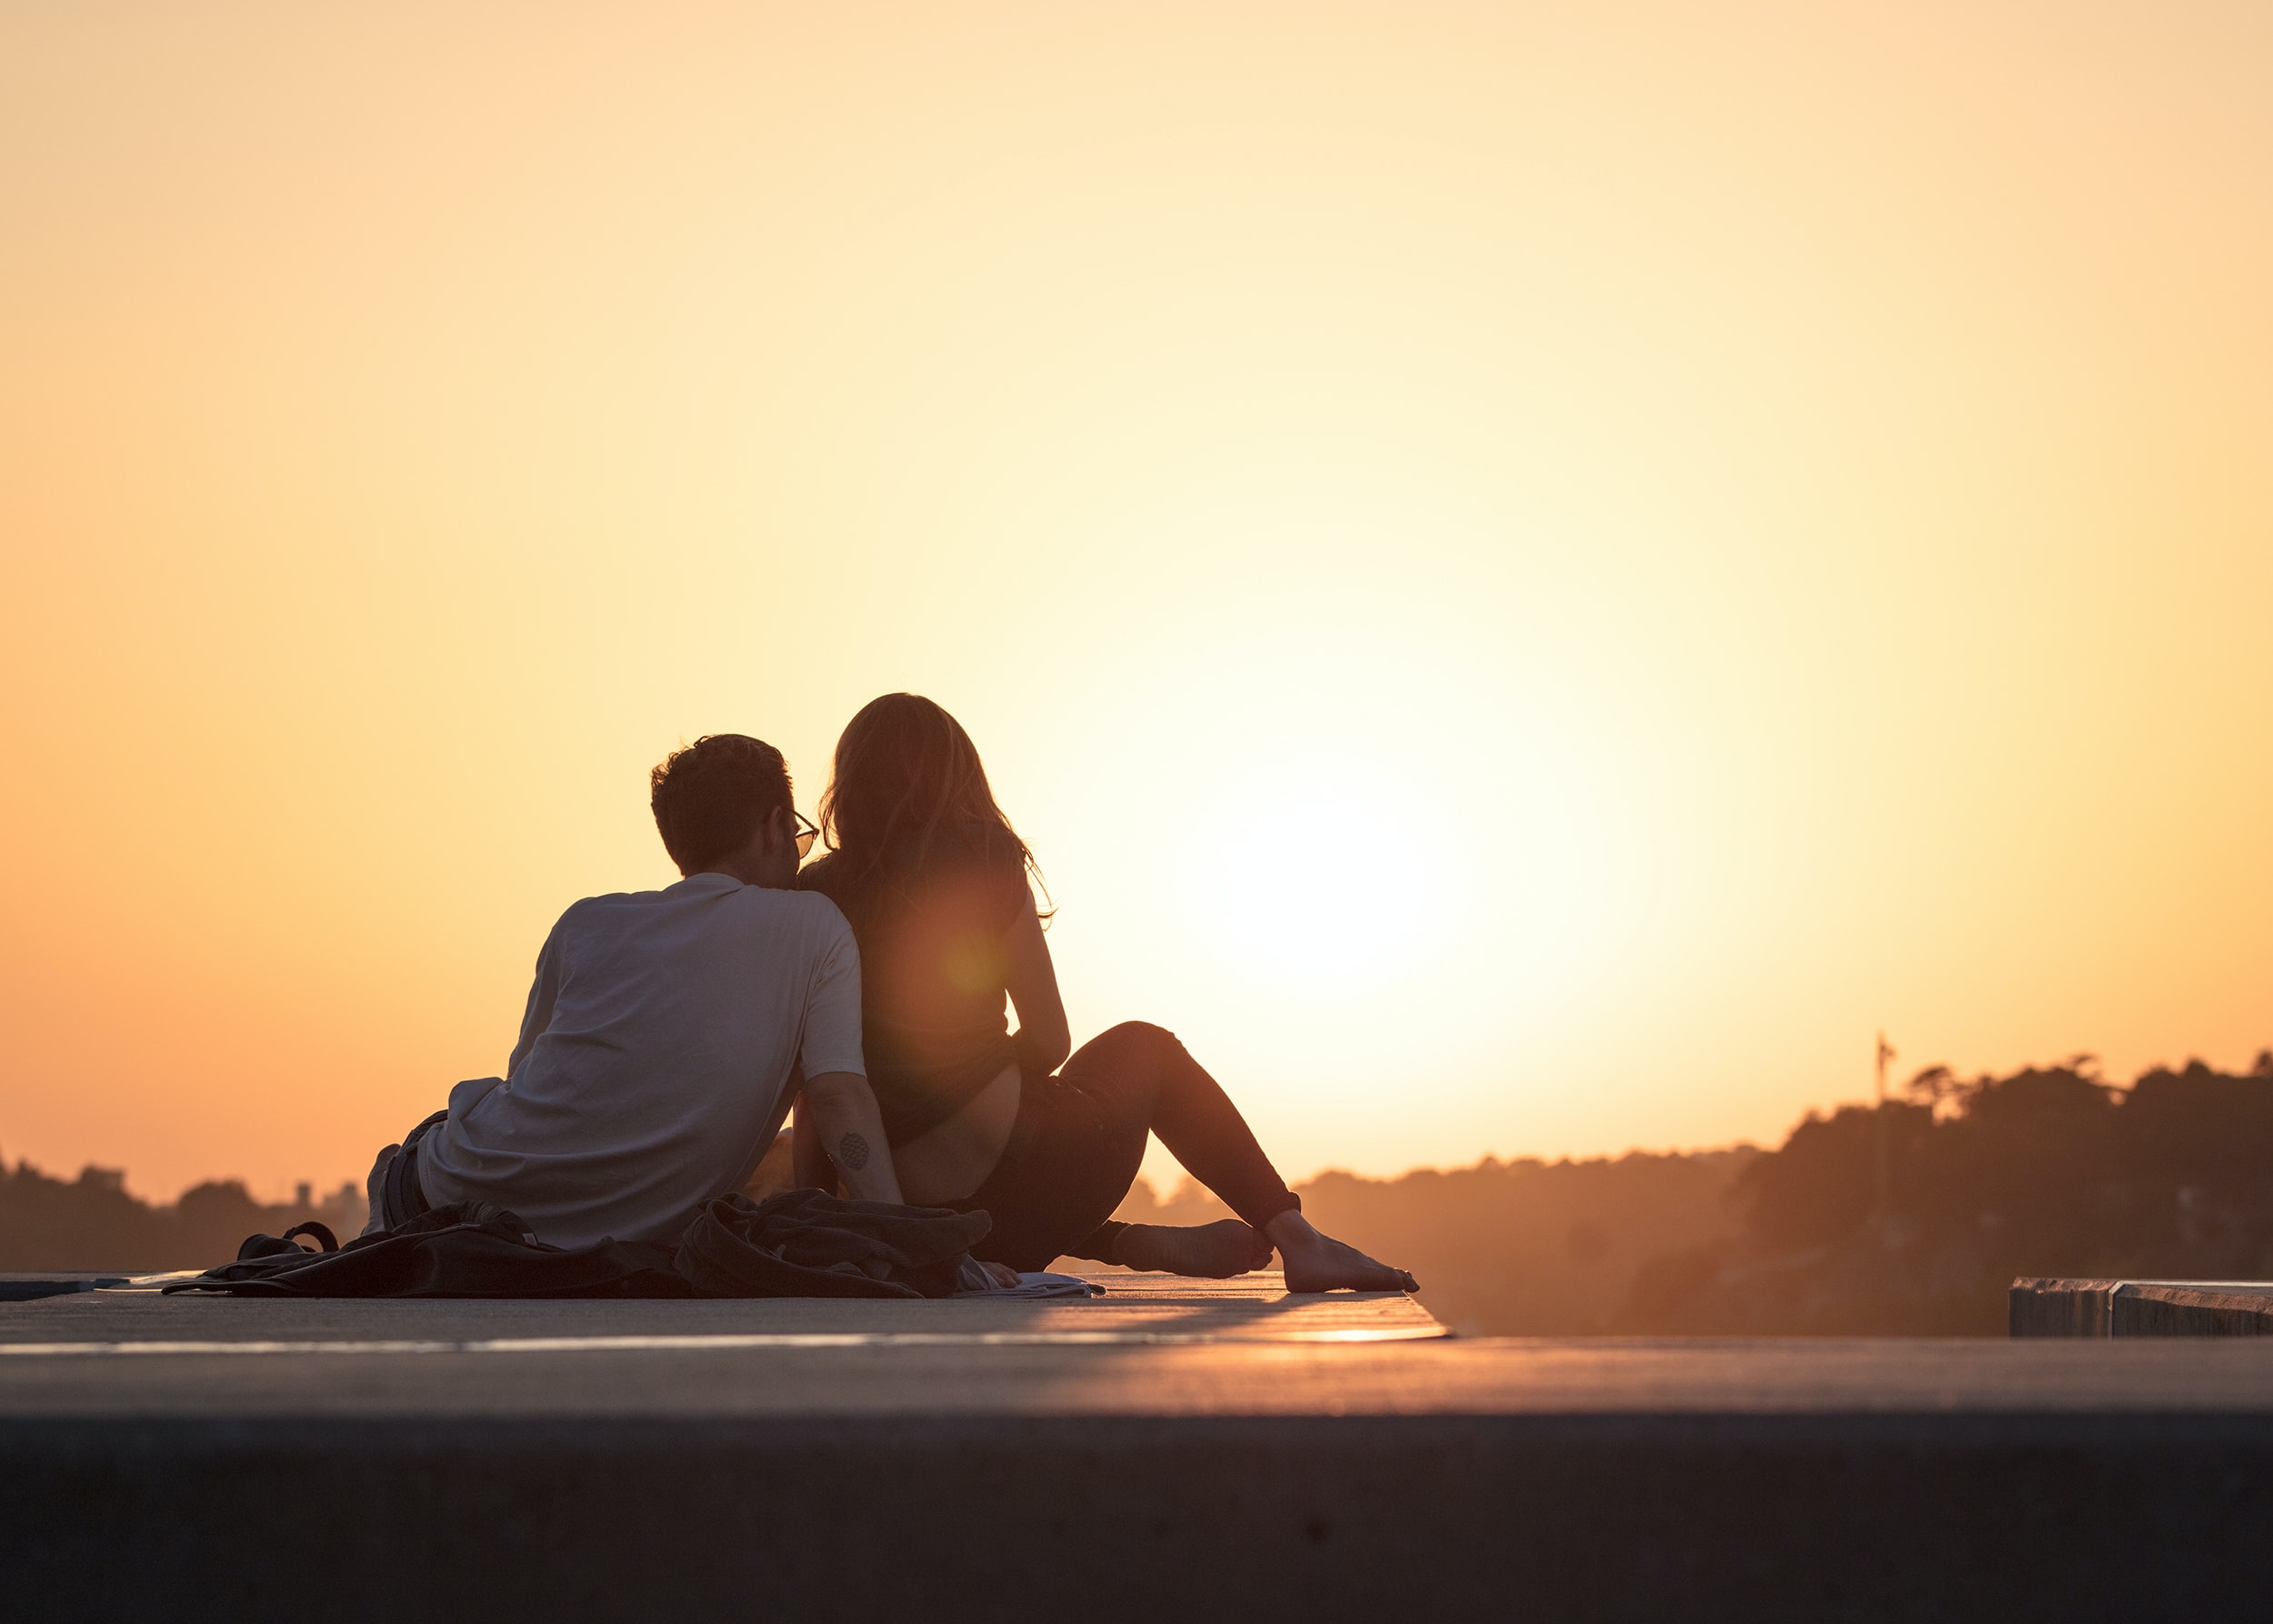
{"x": 1079, "y": 1138}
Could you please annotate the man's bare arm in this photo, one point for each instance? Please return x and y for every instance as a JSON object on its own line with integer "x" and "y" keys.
{"x": 809, "y": 1163}
{"x": 844, "y": 1116}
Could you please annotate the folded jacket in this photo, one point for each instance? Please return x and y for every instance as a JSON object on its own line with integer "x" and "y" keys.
{"x": 803, "y": 1243}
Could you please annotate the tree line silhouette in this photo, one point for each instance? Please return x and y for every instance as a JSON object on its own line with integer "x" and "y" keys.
{"x": 2050, "y": 1171}
{"x": 92, "y": 1223}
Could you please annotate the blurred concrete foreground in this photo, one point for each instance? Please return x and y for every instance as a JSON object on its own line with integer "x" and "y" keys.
{"x": 1173, "y": 1451}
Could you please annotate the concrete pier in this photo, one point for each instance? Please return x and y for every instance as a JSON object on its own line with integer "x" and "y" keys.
{"x": 1163, "y": 1454}
{"x": 2076, "y": 1307}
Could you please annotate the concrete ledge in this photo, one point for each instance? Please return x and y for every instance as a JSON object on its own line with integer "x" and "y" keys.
{"x": 1316, "y": 1517}
{"x": 2190, "y": 1309}
{"x": 2038, "y": 1306}
{"x": 26, "y": 1286}
{"x": 2058, "y": 1307}
{"x": 1174, "y": 1454}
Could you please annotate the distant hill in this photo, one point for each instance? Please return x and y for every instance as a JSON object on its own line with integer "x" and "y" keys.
{"x": 91, "y": 1222}
{"x": 1525, "y": 1248}
{"x": 2050, "y": 1171}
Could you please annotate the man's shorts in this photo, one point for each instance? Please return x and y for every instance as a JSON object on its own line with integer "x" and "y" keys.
{"x": 401, "y": 1199}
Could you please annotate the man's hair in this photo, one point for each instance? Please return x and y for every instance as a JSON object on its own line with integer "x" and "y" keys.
{"x": 710, "y": 797}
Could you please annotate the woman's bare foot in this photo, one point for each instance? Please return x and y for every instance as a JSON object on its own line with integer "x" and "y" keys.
{"x": 1316, "y": 1262}
{"x": 1214, "y": 1252}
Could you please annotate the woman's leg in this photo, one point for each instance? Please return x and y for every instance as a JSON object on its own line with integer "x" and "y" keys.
{"x": 1076, "y": 1145}
{"x": 1081, "y": 1139}
{"x": 1141, "y": 1073}
{"x": 1199, "y": 1125}
{"x": 1069, "y": 1162}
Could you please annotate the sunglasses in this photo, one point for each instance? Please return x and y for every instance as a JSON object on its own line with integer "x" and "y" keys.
{"x": 806, "y": 833}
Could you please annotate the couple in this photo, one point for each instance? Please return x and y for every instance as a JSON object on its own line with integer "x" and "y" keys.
{"x": 669, "y": 1034}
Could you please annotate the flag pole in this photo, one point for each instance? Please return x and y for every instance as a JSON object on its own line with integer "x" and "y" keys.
{"x": 1882, "y": 1169}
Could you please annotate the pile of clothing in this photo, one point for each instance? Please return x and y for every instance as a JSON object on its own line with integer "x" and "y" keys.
{"x": 801, "y": 1243}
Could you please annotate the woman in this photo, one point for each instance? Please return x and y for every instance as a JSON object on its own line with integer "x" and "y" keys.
{"x": 933, "y": 878}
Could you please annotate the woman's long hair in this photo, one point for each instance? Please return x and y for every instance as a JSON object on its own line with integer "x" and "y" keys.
{"x": 904, "y": 776}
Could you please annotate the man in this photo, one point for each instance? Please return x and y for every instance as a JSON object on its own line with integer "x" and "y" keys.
{"x": 666, "y": 1033}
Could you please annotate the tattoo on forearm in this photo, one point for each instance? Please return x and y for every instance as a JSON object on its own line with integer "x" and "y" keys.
{"x": 852, "y": 1152}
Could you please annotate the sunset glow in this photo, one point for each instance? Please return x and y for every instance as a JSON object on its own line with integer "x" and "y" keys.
{"x": 1522, "y": 608}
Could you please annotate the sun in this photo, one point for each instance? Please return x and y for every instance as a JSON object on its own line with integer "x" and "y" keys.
{"x": 1339, "y": 850}
{"x": 1319, "y": 874}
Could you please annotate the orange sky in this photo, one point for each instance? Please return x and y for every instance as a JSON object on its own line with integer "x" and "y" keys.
{"x": 1534, "y": 574}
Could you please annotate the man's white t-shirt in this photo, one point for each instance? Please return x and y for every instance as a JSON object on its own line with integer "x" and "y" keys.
{"x": 660, "y": 1037}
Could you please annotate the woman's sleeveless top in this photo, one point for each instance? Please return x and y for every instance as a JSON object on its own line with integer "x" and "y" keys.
{"x": 933, "y": 957}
